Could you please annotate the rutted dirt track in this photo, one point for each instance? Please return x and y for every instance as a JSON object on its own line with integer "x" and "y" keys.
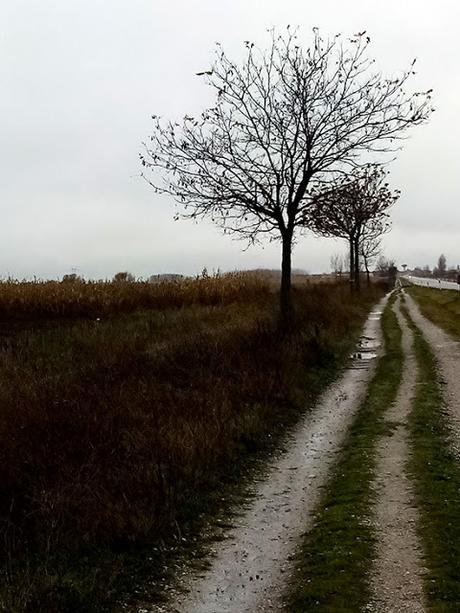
{"x": 447, "y": 352}
{"x": 397, "y": 574}
{"x": 253, "y": 565}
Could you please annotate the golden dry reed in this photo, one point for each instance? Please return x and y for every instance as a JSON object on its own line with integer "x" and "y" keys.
{"x": 80, "y": 298}
{"x": 114, "y": 426}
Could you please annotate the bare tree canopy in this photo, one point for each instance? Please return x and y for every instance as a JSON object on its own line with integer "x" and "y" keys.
{"x": 124, "y": 277}
{"x": 356, "y": 210}
{"x": 338, "y": 263}
{"x": 284, "y": 119}
{"x": 370, "y": 245}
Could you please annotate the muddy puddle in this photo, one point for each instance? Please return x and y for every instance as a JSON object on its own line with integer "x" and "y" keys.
{"x": 375, "y": 315}
{"x": 367, "y": 348}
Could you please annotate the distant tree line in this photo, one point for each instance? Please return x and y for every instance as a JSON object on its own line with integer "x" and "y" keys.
{"x": 440, "y": 270}
{"x": 126, "y": 277}
{"x": 381, "y": 266}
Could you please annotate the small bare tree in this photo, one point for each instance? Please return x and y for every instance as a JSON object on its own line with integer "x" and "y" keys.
{"x": 427, "y": 271}
{"x": 442, "y": 265}
{"x": 386, "y": 268}
{"x": 337, "y": 264}
{"x": 281, "y": 118}
{"x": 355, "y": 210}
{"x": 371, "y": 242}
{"x": 124, "y": 277}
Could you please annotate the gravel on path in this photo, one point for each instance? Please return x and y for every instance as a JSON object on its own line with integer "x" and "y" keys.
{"x": 397, "y": 574}
{"x": 447, "y": 353}
{"x": 251, "y": 568}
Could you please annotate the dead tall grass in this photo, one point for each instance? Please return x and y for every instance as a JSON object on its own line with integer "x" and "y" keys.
{"x": 110, "y": 429}
{"x": 80, "y": 298}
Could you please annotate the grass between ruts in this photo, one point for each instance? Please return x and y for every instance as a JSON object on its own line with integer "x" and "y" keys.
{"x": 117, "y": 434}
{"x": 441, "y": 306}
{"x": 332, "y": 573}
{"x": 436, "y": 474}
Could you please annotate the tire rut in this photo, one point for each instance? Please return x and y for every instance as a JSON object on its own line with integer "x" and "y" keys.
{"x": 397, "y": 573}
{"x": 447, "y": 353}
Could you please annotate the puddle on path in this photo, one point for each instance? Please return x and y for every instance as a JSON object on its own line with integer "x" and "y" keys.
{"x": 375, "y": 315}
{"x": 364, "y": 355}
{"x": 367, "y": 347}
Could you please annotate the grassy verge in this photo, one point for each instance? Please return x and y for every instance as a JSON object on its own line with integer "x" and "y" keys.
{"x": 436, "y": 475}
{"x": 334, "y": 562}
{"x": 118, "y": 434}
{"x": 442, "y": 307}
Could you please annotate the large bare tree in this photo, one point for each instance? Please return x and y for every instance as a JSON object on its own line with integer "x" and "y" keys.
{"x": 355, "y": 209}
{"x": 282, "y": 118}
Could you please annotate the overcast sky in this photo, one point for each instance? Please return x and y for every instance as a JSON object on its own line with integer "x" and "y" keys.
{"x": 81, "y": 78}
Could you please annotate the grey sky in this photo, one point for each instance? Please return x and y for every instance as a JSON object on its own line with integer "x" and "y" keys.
{"x": 80, "y": 79}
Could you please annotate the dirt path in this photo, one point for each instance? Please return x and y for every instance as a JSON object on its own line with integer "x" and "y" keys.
{"x": 397, "y": 574}
{"x": 252, "y": 566}
{"x": 447, "y": 352}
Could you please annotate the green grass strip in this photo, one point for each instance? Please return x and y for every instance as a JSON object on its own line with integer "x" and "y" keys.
{"x": 442, "y": 307}
{"x": 436, "y": 473}
{"x": 333, "y": 567}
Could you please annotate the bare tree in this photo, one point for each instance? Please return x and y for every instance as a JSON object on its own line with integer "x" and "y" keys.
{"x": 386, "y": 268}
{"x": 442, "y": 265}
{"x": 124, "y": 277}
{"x": 72, "y": 278}
{"x": 370, "y": 249}
{"x": 370, "y": 244}
{"x": 355, "y": 210}
{"x": 337, "y": 264}
{"x": 427, "y": 271}
{"x": 282, "y": 119}
{"x": 383, "y": 264}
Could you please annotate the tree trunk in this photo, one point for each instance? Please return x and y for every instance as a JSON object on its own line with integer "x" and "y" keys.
{"x": 352, "y": 262}
{"x": 357, "y": 279}
{"x": 285, "y": 294}
{"x": 366, "y": 266}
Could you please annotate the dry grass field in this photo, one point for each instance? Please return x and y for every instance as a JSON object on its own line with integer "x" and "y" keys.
{"x": 124, "y": 404}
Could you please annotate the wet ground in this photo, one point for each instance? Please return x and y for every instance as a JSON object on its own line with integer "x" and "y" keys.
{"x": 251, "y": 568}
{"x": 397, "y": 572}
